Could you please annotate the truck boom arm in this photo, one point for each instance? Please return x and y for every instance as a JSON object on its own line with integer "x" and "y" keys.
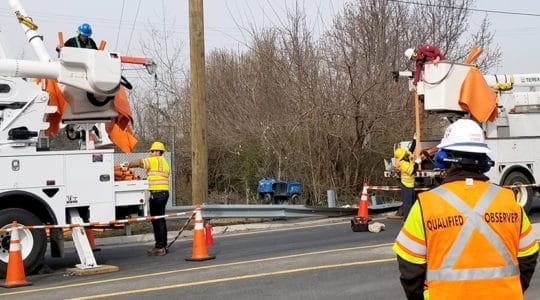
{"x": 97, "y": 72}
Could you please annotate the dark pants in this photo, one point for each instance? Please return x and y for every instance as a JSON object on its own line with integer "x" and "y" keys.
{"x": 158, "y": 200}
{"x": 407, "y": 199}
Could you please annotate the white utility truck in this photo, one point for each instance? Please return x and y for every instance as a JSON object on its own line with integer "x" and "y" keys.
{"x": 40, "y": 186}
{"x": 513, "y": 135}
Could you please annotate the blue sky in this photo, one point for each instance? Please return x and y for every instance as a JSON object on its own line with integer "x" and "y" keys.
{"x": 517, "y": 35}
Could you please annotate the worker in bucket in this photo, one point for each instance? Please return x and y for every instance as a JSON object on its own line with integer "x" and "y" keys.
{"x": 468, "y": 238}
{"x": 424, "y": 53}
{"x": 83, "y": 38}
{"x": 157, "y": 169}
{"x": 407, "y": 166}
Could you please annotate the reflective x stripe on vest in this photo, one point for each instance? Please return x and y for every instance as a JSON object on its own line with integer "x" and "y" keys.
{"x": 407, "y": 177}
{"x": 474, "y": 221}
{"x": 88, "y": 44}
{"x": 158, "y": 173}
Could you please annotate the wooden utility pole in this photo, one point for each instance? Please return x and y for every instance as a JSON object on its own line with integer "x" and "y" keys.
{"x": 417, "y": 126}
{"x": 199, "y": 149}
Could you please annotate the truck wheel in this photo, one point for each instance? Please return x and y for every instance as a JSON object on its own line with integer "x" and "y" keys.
{"x": 33, "y": 242}
{"x": 295, "y": 199}
{"x": 524, "y": 195}
{"x": 266, "y": 198}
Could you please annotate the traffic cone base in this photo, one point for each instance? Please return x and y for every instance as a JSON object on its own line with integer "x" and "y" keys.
{"x": 15, "y": 276}
{"x": 199, "y": 251}
{"x": 360, "y": 223}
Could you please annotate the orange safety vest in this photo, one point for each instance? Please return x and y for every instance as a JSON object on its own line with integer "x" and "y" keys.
{"x": 472, "y": 240}
{"x": 158, "y": 171}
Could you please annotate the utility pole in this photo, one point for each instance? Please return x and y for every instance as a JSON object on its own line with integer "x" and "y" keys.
{"x": 199, "y": 149}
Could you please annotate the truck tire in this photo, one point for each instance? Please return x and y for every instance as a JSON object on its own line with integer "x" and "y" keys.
{"x": 267, "y": 198}
{"x": 524, "y": 195}
{"x": 33, "y": 242}
{"x": 295, "y": 199}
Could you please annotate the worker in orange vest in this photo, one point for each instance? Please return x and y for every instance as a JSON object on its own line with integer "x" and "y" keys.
{"x": 466, "y": 239}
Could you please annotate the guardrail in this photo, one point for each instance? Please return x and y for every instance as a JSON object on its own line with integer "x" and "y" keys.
{"x": 214, "y": 211}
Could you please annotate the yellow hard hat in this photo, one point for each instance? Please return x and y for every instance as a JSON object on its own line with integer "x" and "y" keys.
{"x": 157, "y": 146}
{"x": 399, "y": 153}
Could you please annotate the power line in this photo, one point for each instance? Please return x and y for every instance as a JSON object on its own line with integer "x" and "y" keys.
{"x": 133, "y": 27}
{"x": 120, "y": 24}
{"x": 471, "y": 9}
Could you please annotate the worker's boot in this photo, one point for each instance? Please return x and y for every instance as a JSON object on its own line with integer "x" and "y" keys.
{"x": 157, "y": 251}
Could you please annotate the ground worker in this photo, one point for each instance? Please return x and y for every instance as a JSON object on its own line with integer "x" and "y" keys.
{"x": 466, "y": 239}
{"x": 407, "y": 166}
{"x": 157, "y": 170}
{"x": 424, "y": 53}
{"x": 83, "y": 38}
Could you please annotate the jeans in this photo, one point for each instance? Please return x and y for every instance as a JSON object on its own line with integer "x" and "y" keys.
{"x": 407, "y": 199}
{"x": 158, "y": 200}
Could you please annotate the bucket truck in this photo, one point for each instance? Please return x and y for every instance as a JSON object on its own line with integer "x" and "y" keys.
{"x": 513, "y": 133}
{"x": 40, "y": 186}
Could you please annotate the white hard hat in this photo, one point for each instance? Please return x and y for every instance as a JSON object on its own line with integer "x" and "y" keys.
{"x": 409, "y": 53}
{"x": 464, "y": 135}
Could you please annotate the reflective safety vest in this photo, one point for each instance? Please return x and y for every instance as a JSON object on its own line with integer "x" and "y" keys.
{"x": 406, "y": 168}
{"x": 470, "y": 237}
{"x": 157, "y": 170}
{"x": 87, "y": 46}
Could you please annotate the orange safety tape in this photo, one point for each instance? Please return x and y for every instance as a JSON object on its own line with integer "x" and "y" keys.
{"x": 113, "y": 222}
{"x": 520, "y": 185}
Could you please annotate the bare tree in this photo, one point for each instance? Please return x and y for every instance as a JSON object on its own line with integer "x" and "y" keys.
{"x": 321, "y": 111}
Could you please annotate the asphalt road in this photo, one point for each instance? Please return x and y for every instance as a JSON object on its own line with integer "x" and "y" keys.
{"x": 317, "y": 261}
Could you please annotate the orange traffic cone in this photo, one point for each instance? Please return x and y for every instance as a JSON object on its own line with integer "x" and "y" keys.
{"x": 208, "y": 233}
{"x": 90, "y": 237}
{"x": 361, "y": 221}
{"x": 15, "y": 270}
{"x": 199, "y": 252}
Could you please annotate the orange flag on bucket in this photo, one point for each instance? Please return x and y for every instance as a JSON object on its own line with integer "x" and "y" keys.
{"x": 477, "y": 97}
{"x": 56, "y": 98}
{"x": 118, "y": 129}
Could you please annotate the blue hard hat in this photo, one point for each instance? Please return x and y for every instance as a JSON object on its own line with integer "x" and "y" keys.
{"x": 85, "y": 29}
{"x": 438, "y": 159}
